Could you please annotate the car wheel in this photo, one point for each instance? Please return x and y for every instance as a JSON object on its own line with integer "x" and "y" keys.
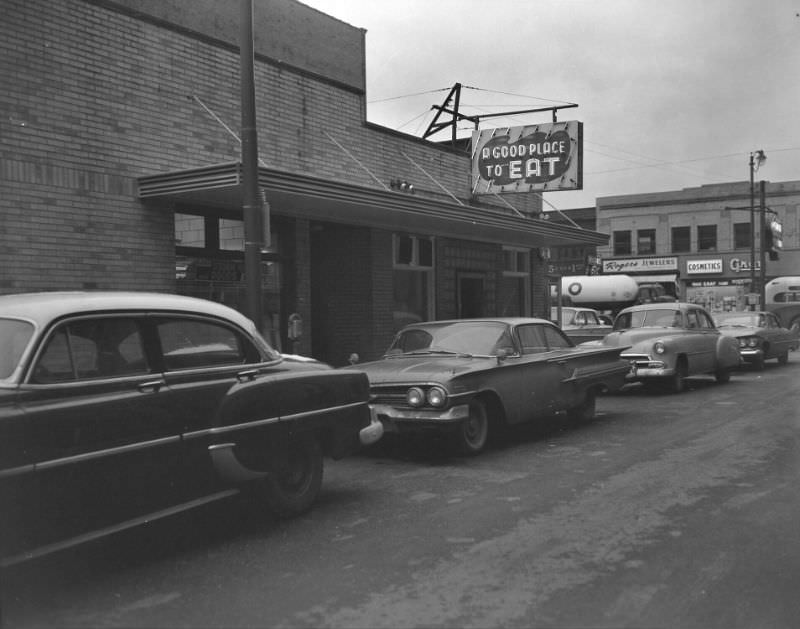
{"x": 783, "y": 358}
{"x": 472, "y": 434}
{"x": 586, "y": 411}
{"x": 677, "y": 383}
{"x": 293, "y": 490}
{"x": 723, "y": 376}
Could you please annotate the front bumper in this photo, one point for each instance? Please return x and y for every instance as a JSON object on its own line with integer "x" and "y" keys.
{"x": 751, "y": 355}
{"x": 372, "y": 433}
{"x": 644, "y": 367}
{"x": 396, "y": 419}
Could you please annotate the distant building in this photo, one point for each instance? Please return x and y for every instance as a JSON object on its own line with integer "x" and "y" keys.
{"x": 698, "y": 239}
{"x": 579, "y": 258}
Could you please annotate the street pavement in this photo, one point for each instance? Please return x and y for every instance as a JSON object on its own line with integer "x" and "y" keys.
{"x": 665, "y": 511}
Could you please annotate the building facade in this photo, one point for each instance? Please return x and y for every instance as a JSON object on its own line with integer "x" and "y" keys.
{"x": 120, "y": 169}
{"x": 699, "y": 239}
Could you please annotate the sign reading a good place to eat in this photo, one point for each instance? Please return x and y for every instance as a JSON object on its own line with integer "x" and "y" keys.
{"x": 542, "y": 157}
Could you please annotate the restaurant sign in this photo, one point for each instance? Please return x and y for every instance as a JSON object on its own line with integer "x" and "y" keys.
{"x": 543, "y": 157}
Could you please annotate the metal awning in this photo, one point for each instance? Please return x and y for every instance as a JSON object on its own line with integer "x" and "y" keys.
{"x": 644, "y": 279}
{"x": 301, "y": 196}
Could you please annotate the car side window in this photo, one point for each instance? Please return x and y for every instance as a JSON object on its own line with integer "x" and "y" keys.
{"x": 92, "y": 348}
{"x": 704, "y": 321}
{"x": 691, "y": 320}
{"x": 554, "y": 338}
{"x": 194, "y": 343}
{"x": 531, "y": 339}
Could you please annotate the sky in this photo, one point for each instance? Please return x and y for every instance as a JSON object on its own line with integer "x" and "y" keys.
{"x": 672, "y": 94}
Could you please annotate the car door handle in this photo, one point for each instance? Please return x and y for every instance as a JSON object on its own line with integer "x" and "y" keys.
{"x": 152, "y": 386}
{"x": 248, "y": 374}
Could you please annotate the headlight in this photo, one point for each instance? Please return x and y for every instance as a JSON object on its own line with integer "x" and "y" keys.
{"x": 415, "y": 396}
{"x": 659, "y": 347}
{"x": 437, "y": 397}
{"x": 752, "y": 341}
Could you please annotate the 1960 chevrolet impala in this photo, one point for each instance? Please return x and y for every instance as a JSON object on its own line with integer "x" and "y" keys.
{"x": 467, "y": 377}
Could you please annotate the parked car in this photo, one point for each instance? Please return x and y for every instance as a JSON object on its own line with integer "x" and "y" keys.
{"x": 667, "y": 342}
{"x": 471, "y": 376}
{"x": 759, "y": 334}
{"x": 120, "y": 408}
{"x": 580, "y": 324}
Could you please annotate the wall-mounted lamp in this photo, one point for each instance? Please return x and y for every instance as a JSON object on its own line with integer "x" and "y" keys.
{"x": 402, "y": 185}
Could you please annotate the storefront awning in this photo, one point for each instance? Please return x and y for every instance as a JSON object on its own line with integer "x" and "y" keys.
{"x": 646, "y": 279}
{"x": 301, "y": 196}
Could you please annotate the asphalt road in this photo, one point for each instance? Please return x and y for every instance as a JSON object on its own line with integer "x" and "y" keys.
{"x": 665, "y": 511}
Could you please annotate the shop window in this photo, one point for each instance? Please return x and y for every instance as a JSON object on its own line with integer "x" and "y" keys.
{"x": 190, "y": 230}
{"x": 646, "y": 241}
{"x": 231, "y": 234}
{"x": 515, "y": 285}
{"x": 412, "y": 279}
{"x": 681, "y": 239}
{"x": 706, "y": 237}
{"x": 741, "y": 235}
{"x": 622, "y": 243}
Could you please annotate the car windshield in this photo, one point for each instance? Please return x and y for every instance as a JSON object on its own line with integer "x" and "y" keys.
{"x": 459, "y": 338}
{"x": 14, "y": 337}
{"x": 661, "y": 318}
{"x": 739, "y": 320}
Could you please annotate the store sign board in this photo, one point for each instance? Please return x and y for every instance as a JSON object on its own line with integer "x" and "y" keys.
{"x": 640, "y": 265}
{"x": 700, "y": 267}
{"x": 543, "y": 157}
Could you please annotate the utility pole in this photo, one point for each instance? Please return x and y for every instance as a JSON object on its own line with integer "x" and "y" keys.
{"x": 752, "y": 230}
{"x": 251, "y": 200}
{"x": 763, "y": 259}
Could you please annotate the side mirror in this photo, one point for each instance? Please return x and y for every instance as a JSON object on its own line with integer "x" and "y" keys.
{"x": 503, "y": 353}
{"x": 353, "y": 358}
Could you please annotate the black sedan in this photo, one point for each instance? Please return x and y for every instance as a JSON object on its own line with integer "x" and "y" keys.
{"x": 468, "y": 377}
{"x": 121, "y": 408}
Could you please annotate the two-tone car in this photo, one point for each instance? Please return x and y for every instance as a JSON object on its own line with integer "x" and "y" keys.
{"x": 760, "y": 336}
{"x": 469, "y": 377}
{"x": 118, "y": 408}
{"x": 665, "y": 343}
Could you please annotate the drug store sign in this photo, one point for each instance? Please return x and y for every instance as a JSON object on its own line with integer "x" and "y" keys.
{"x": 543, "y": 157}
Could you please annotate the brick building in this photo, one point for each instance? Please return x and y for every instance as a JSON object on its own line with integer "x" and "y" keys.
{"x": 120, "y": 169}
{"x": 700, "y": 239}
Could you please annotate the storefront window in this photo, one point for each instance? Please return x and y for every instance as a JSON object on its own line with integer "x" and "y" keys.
{"x": 515, "y": 285}
{"x": 412, "y": 279}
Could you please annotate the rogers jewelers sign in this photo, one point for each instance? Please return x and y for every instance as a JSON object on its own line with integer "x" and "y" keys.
{"x": 542, "y": 157}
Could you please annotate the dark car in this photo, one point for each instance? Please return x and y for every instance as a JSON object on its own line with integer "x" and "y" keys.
{"x": 760, "y": 336}
{"x": 120, "y": 408}
{"x": 668, "y": 342}
{"x": 467, "y": 377}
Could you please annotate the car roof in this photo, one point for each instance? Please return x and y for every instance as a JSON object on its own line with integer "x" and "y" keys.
{"x": 46, "y": 306}
{"x": 662, "y": 305}
{"x": 505, "y": 320}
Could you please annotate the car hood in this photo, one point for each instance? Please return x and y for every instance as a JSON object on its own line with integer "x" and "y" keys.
{"x": 639, "y": 335}
{"x": 414, "y": 368}
{"x": 740, "y": 331}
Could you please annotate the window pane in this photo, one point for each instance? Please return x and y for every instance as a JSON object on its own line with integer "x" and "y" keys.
{"x": 646, "y": 241}
{"x": 190, "y": 230}
{"x": 622, "y": 242}
{"x": 410, "y": 297}
{"x": 405, "y": 250}
{"x": 189, "y": 344}
{"x": 231, "y": 234}
{"x": 706, "y": 237}
{"x": 681, "y": 239}
{"x": 741, "y": 235}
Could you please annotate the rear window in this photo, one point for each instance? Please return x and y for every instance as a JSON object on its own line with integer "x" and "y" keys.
{"x": 14, "y": 338}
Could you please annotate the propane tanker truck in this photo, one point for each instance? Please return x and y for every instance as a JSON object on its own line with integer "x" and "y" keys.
{"x": 608, "y": 292}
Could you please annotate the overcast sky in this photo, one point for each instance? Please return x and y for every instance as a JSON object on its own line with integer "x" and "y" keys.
{"x": 673, "y": 94}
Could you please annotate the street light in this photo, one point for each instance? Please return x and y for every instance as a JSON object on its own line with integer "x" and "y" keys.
{"x": 756, "y": 159}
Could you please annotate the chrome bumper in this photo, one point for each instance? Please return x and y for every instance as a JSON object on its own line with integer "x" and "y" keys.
{"x": 392, "y": 417}
{"x": 372, "y": 433}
